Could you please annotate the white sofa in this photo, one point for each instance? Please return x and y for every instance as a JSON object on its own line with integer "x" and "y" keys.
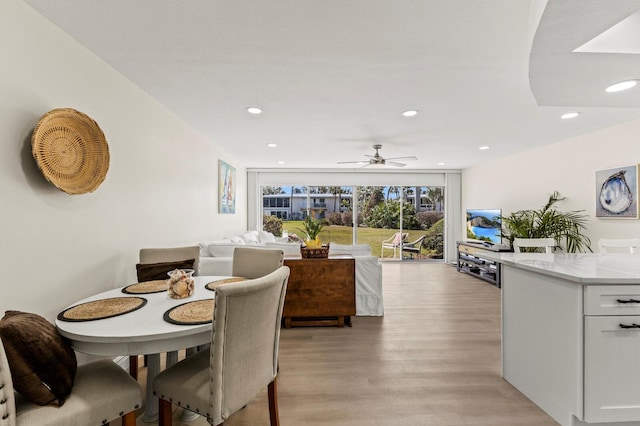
{"x": 216, "y": 258}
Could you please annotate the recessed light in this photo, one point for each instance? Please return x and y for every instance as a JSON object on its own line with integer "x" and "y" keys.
{"x": 254, "y": 110}
{"x": 441, "y": 163}
{"x": 272, "y": 145}
{"x": 483, "y": 147}
{"x": 620, "y": 86}
{"x": 410, "y": 113}
{"x": 280, "y": 162}
{"x": 569, "y": 115}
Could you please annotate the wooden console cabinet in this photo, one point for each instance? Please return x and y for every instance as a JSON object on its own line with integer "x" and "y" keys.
{"x": 320, "y": 291}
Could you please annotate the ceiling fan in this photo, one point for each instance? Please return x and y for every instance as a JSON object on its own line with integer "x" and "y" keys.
{"x": 378, "y": 160}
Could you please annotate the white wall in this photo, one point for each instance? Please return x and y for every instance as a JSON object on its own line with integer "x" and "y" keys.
{"x": 525, "y": 181}
{"x": 161, "y": 188}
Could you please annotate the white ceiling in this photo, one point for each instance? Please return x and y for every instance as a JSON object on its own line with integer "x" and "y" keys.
{"x": 333, "y": 76}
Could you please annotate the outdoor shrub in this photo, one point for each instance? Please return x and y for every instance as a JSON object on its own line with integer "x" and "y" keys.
{"x": 427, "y": 219}
{"x": 347, "y": 218}
{"x": 334, "y": 218}
{"x": 434, "y": 240}
{"x": 387, "y": 215}
{"x": 272, "y": 224}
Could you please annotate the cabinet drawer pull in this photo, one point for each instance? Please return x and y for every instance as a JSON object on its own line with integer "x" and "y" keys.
{"x": 634, "y": 325}
{"x": 628, "y": 301}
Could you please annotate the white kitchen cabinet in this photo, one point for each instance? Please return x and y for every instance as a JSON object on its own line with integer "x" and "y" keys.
{"x": 611, "y": 353}
{"x": 571, "y": 335}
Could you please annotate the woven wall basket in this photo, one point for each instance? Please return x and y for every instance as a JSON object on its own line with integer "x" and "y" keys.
{"x": 70, "y": 150}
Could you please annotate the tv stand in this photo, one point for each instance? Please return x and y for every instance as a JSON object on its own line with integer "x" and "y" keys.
{"x": 472, "y": 262}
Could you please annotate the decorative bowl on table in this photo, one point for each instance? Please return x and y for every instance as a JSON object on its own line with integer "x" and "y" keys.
{"x": 317, "y": 252}
{"x": 181, "y": 283}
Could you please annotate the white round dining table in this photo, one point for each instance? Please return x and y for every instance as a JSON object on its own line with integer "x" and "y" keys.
{"x": 140, "y": 332}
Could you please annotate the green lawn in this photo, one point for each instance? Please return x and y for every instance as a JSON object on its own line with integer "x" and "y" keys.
{"x": 344, "y": 235}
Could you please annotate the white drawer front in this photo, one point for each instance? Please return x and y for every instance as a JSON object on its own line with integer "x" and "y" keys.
{"x": 612, "y": 300}
{"x": 611, "y": 368}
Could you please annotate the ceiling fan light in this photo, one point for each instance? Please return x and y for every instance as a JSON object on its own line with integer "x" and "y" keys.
{"x": 621, "y": 85}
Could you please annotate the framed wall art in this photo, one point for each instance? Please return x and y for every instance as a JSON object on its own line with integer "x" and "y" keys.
{"x": 226, "y": 188}
{"x": 617, "y": 193}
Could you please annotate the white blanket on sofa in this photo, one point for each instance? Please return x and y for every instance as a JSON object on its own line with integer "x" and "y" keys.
{"x": 369, "y": 300}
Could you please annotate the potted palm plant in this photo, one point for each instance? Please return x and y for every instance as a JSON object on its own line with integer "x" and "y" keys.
{"x": 567, "y": 228}
{"x": 313, "y": 247}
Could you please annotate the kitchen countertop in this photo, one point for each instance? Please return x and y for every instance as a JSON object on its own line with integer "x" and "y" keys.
{"x": 582, "y": 268}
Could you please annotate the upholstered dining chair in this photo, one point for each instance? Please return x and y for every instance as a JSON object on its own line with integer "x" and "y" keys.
{"x": 251, "y": 262}
{"x": 548, "y": 244}
{"x": 102, "y": 391}
{"x": 618, "y": 245}
{"x": 241, "y": 360}
{"x": 160, "y": 255}
{"x": 171, "y": 254}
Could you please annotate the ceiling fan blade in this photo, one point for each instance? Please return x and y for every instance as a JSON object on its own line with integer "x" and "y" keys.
{"x": 395, "y": 163}
{"x": 352, "y": 162}
{"x": 402, "y": 158}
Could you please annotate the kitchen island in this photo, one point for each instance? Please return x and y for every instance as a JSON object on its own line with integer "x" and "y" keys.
{"x": 571, "y": 334}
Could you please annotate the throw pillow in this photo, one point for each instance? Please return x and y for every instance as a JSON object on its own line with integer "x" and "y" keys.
{"x": 42, "y": 363}
{"x": 250, "y": 237}
{"x": 266, "y": 237}
{"x": 158, "y": 271}
{"x": 399, "y": 238}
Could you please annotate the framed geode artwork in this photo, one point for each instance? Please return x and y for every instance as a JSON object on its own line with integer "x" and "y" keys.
{"x": 226, "y": 188}
{"x": 617, "y": 193}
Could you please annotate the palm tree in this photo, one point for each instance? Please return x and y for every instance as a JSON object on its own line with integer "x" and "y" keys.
{"x": 335, "y": 190}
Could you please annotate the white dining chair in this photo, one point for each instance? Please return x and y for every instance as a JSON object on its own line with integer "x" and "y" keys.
{"x": 548, "y": 244}
{"x": 102, "y": 391}
{"x": 618, "y": 245}
{"x": 251, "y": 262}
{"x": 242, "y": 358}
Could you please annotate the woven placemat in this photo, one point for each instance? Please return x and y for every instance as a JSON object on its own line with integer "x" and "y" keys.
{"x": 191, "y": 313}
{"x": 215, "y": 284}
{"x": 100, "y": 309}
{"x": 147, "y": 287}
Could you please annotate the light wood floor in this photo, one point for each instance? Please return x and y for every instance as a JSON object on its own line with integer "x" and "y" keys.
{"x": 433, "y": 359}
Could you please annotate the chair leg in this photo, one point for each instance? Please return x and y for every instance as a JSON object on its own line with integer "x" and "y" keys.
{"x": 274, "y": 417}
{"x": 165, "y": 413}
{"x": 133, "y": 366}
{"x": 129, "y": 419}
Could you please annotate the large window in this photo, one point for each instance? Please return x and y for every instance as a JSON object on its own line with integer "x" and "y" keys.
{"x": 398, "y": 222}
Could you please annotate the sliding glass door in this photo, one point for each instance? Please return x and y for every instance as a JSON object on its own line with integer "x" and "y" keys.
{"x": 402, "y": 223}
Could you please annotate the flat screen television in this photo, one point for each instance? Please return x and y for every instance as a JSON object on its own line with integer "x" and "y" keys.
{"x": 484, "y": 225}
